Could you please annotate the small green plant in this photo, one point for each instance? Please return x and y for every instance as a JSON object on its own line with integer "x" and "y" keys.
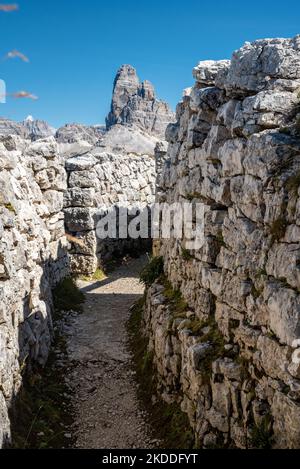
{"x": 186, "y": 255}
{"x": 293, "y": 183}
{"x": 97, "y": 276}
{"x": 297, "y": 125}
{"x": 261, "y": 273}
{"x": 169, "y": 423}
{"x": 147, "y": 361}
{"x": 220, "y": 240}
{"x": 271, "y": 335}
{"x": 9, "y": 206}
{"x": 214, "y": 161}
{"x": 256, "y": 292}
{"x": 216, "y": 339}
{"x": 261, "y": 435}
{"x": 67, "y": 296}
{"x": 244, "y": 363}
{"x": 196, "y": 326}
{"x": 195, "y": 195}
{"x": 177, "y": 303}
{"x": 277, "y": 228}
{"x": 285, "y": 130}
{"x": 153, "y": 270}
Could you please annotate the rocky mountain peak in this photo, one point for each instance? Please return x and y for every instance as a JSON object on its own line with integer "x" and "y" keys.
{"x": 134, "y": 104}
{"x": 37, "y": 128}
{"x": 146, "y": 90}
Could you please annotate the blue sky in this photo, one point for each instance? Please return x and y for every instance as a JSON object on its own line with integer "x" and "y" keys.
{"x": 76, "y": 46}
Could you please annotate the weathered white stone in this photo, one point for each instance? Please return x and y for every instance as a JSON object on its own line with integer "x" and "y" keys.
{"x": 286, "y": 426}
{"x": 235, "y": 148}
{"x": 207, "y": 70}
{"x": 284, "y": 309}
{"x": 31, "y": 202}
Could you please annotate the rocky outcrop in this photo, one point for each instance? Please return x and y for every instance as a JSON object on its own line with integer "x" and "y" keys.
{"x": 32, "y": 258}
{"x": 73, "y": 133}
{"x": 37, "y": 129}
{"x": 227, "y": 350}
{"x": 134, "y": 104}
{"x": 124, "y": 140}
{"x": 31, "y": 129}
{"x": 9, "y": 127}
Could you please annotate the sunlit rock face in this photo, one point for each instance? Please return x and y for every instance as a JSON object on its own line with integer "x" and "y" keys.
{"x": 33, "y": 258}
{"x": 134, "y": 104}
{"x": 37, "y": 128}
{"x": 231, "y": 359}
{"x": 73, "y": 133}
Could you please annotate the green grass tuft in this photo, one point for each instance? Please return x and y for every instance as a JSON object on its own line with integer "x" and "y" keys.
{"x": 186, "y": 255}
{"x": 277, "y": 228}
{"x": 153, "y": 270}
{"x": 177, "y": 303}
{"x": 293, "y": 183}
{"x": 97, "y": 276}
{"x": 9, "y": 206}
{"x": 262, "y": 436}
{"x": 167, "y": 421}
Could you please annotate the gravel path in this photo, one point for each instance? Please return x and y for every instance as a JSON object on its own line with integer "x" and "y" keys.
{"x": 106, "y": 407}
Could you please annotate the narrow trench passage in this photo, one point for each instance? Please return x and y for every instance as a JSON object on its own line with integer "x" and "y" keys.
{"x": 106, "y": 410}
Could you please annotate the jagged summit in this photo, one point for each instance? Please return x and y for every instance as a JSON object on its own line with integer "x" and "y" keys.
{"x": 37, "y": 128}
{"x": 30, "y": 128}
{"x": 134, "y": 104}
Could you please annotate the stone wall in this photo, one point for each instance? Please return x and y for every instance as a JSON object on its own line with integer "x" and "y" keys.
{"x": 32, "y": 258}
{"x": 230, "y": 356}
{"x": 100, "y": 181}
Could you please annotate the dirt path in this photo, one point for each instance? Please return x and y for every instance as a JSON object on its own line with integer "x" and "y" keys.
{"x": 106, "y": 408}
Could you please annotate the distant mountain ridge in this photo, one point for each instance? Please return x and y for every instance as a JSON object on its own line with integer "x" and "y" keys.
{"x": 32, "y": 129}
{"x": 136, "y": 122}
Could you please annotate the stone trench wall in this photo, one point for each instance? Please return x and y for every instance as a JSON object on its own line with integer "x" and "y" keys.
{"x": 101, "y": 180}
{"x": 230, "y": 356}
{"x": 43, "y": 198}
{"x": 32, "y": 258}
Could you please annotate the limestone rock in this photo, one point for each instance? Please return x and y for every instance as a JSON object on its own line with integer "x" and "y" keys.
{"x": 33, "y": 258}
{"x": 37, "y": 128}
{"x": 257, "y": 65}
{"x": 74, "y": 133}
{"x": 234, "y": 148}
{"x": 31, "y": 129}
{"x": 206, "y": 71}
{"x": 134, "y": 104}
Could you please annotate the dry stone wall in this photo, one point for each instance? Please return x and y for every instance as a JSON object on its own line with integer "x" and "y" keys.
{"x": 97, "y": 183}
{"x": 52, "y": 191}
{"x": 32, "y": 258}
{"x": 43, "y": 196}
{"x": 231, "y": 355}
